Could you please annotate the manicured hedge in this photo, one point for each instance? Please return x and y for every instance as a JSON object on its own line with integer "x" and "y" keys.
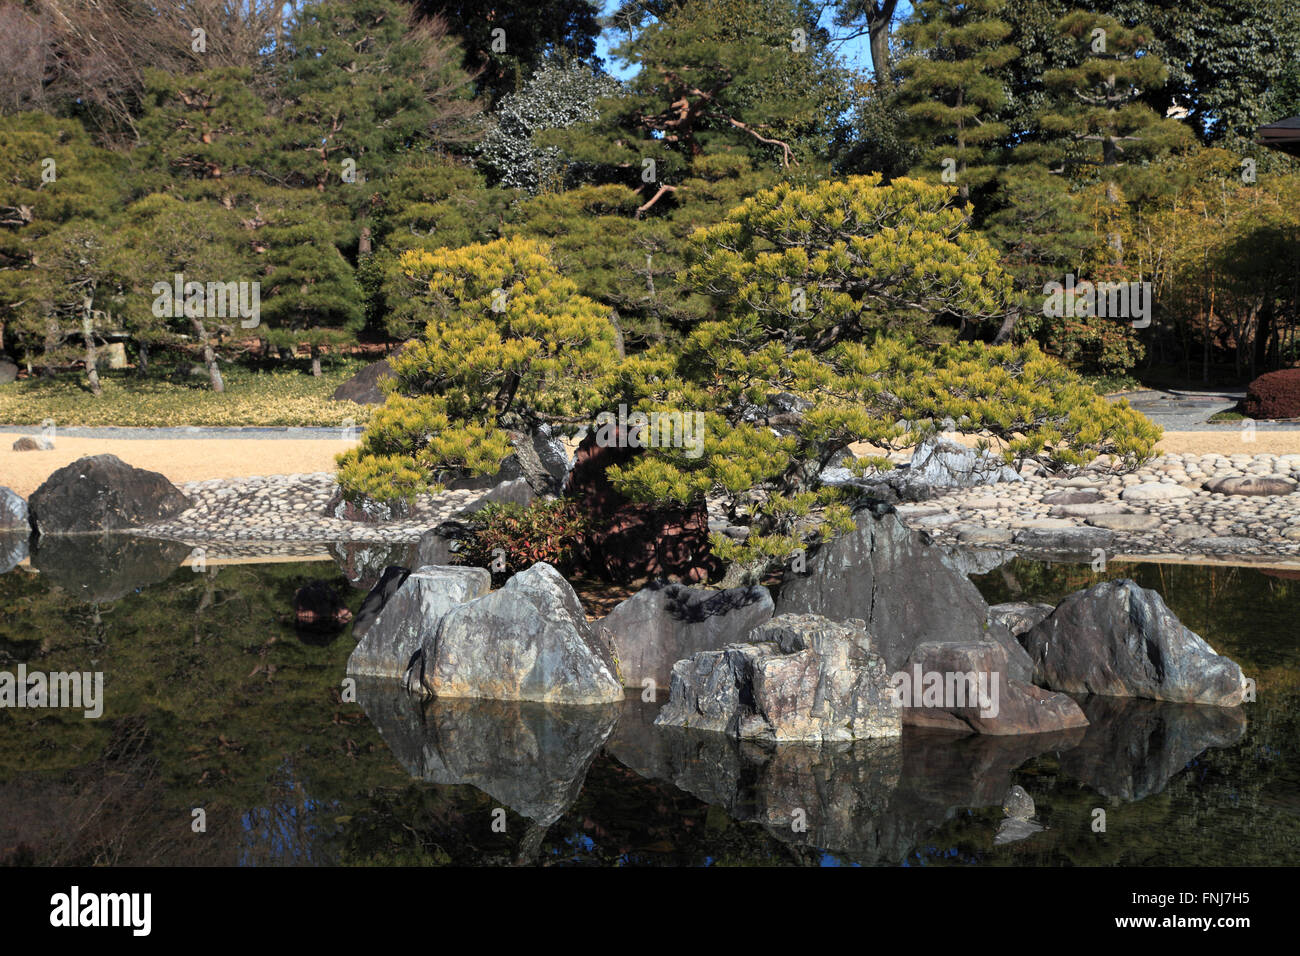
{"x": 1275, "y": 395}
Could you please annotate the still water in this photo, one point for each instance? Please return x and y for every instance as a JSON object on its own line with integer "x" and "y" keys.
{"x": 226, "y": 740}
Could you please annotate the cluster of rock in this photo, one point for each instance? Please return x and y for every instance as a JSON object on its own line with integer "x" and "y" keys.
{"x": 875, "y": 632}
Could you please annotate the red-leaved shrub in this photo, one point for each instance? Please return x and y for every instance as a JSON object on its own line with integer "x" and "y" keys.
{"x": 1275, "y": 395}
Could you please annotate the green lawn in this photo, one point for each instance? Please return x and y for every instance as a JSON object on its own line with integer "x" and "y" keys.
{"x": 278, "y": 397}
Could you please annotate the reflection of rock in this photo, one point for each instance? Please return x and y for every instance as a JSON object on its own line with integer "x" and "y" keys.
{"x": 13, "y": 549}
{"x": 318, "y": 609}
{"x": 377, "y": 597}
{"x": 1133, "y": 748}
{"x": 664, "y": 623}
{"x": 363, "y": 562}
{"x": 804, "y": 678}
{"x": 410, "y": 618}
{"x": 884, "y": 574}
{"x": 528, "y": 641}
{"x": 1018, "y": 806}
{"x": 13, "y": 512}
{"x": 107, "y": 567}
{"x": 532, "y": 757}
{"x": 875, "y": 799}
{"x": 1121, "y": 640}
{"x": 102, "y": 493}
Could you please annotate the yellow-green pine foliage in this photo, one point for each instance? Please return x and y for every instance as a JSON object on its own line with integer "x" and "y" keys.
{"x": 509, "y": 344}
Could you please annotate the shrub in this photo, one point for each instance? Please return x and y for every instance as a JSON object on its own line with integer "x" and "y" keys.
{"x": 550, "y": 531}
{"x": 1275, "y": 395}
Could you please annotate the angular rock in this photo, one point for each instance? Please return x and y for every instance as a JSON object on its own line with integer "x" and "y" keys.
{"x": 8, "y": 372}
{"x": 514, "y": 492}
{"x": 885, "y": 575}
{"x": 1118, "y": 639}
{"x": 13, "y": 512}
{"x": 364, "y": 388}
{"x": 539, "y": 458}
{"x": 665, "y": 623}
{"x": 102, "y": 493}
{"x": 528, "y": 641}
{"x": 964, "y": 687}
{"x": 1252, "y": 485}
{"x": 804, "y": 678}
{"x": 941, "y": 463}
{"x": 1018, "y": 617}
{"x": 391, "y": 643}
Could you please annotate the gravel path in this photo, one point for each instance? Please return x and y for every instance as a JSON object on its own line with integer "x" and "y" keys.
{"x": 292, "y": 508}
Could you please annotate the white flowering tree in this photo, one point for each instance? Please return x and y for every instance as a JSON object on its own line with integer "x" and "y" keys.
{"x": 558, "y": 96}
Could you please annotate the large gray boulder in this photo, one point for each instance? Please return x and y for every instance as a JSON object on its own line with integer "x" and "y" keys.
{"x": 1118, "y": 639}
{"x": 665, "y": 623}
{"x": 102, "y": 493}
{"x": 364, "y": 388}
{"x": 539, "y": 457}
{"x": 802, "y": 678}
{"x": 392, "y": 642}
{"x": 13, "y": 512}
{"x": 528, "y": 641}
{"x": 965, "y": 687}
{"x": 887, "y": 576}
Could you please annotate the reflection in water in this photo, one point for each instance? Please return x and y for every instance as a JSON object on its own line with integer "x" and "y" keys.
{"x": 1133, "y": 748}
{"x": 212, "y": 702}
{"x": 96, "y": 569}
{"x": 531, "y": 757}
{"x": 873, "y": 800}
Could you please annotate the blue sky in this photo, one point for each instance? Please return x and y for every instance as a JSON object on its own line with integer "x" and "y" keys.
{"x": 855, "y": 52}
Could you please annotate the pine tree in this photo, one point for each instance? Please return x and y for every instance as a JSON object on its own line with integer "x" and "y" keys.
{"x": 953, "y": 86}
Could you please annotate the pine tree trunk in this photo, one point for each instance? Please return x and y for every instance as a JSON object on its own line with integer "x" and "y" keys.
{"x": 144, "y": 359}
{"x": 315, "y": 362}
{"x": 209, "y": 356}
{"x": 88, "y": 333}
